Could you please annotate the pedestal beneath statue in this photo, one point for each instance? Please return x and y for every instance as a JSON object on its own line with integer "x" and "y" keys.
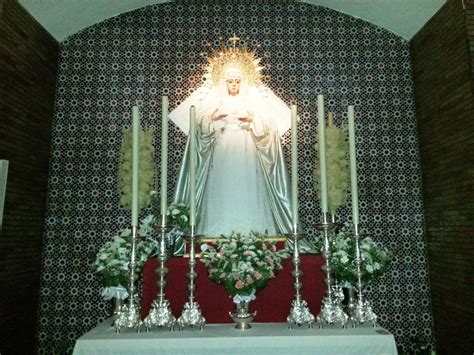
{"x": 272, "y": 303}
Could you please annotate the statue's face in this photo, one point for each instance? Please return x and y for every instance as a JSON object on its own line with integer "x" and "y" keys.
{"x": 233, "y": 86}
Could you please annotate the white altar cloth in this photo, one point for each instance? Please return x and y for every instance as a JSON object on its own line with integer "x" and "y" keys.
{"x": 218, "y": 339}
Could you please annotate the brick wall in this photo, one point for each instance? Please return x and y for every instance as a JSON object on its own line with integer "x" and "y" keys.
{"x": 470, "y": 34}
{"x": 28, "y": 61}
{"x": 445, "y": 112}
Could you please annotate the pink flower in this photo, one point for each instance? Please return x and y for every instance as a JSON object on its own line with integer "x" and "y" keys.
{"x": 257, "y": 275}
{"x": 274, "y": 248}
{"x": 264, "y": 246}
{"x": 247, "y": 252}
{"x": 270, "y": 261}
{"x": 239, "y": 284}
{"x": 249, "y": 280}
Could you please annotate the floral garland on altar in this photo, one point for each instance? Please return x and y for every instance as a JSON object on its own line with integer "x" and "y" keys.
{"x": 242, "y": 263}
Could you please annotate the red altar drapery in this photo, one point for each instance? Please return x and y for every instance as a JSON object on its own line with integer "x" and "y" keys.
{"x": 272, "y": 303}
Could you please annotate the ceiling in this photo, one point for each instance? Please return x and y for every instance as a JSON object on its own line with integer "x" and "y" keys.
{"x": 63, "y": 18}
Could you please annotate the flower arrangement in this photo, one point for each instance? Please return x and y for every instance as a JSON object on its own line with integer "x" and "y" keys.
{"x": 146, "y": 169}
{"x": 178, "y": 216}
{"x": 376, "y": 258}
{"x": 112, "y": 260}
{"x": 242, "y": 263}
{"x": 337, "y": 153}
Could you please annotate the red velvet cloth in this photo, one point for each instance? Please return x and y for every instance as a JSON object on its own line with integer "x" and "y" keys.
{"x": 272, "y": 304}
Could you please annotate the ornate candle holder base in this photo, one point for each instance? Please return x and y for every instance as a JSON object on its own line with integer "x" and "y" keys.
{"x": 160, "y": 316}
{"x": 331, "y": 310}
{"x": 299, "y": 312}
{"x": 191, "y": 316}
{"x": 363, "y": 313}
{"x": 299, "y": 315}
{"x": 332, "y": 313}
{"x": 129, "y": 317}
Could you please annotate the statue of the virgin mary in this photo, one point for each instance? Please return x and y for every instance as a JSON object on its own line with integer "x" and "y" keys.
{"x": 242, "y": 180}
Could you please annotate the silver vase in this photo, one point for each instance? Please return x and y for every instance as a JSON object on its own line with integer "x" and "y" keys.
{"x": 242, "y": 317}
{"x": 351, "y": 300}
{"x": 117, "y": 304}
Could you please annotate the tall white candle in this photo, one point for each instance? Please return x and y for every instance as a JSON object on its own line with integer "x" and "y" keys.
{"x": 192, "y": 168}
{"x": 353, "y": 165}
{"x": 135, "y": 162}
{"x": 294, "y": 166}
{"x": 322, "y": 154}
{"x": 164, "y": 154}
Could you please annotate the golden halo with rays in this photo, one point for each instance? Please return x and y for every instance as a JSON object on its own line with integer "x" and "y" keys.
{"x": 234, "y": 57}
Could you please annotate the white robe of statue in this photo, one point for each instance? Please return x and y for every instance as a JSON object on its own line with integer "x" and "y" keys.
{"x": 242, "y": 178}
{"x": 236, "y": 197}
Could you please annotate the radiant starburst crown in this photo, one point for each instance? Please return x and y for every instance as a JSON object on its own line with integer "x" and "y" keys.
{"x": 234, "y": 57}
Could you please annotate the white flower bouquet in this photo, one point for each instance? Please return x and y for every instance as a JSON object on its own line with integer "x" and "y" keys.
{"x": 112, "y": 260}
{"x": 376, "y": 258}
{"x": 178, "y": 216}
{"x": 242, "y": 263}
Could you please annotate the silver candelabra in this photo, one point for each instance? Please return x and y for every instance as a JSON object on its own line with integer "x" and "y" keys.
{"x": 362, "y": 311}
{"x": 299, "y": 312}
{"x": 191, "y": 315}
{"x": 331, "y": 309}
{"x": 160, "y": 314}
{"x": 129, "y": 316}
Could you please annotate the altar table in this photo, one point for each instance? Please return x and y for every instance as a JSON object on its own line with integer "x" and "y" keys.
{"x": 272, "y": 304}
{"x": 218, "y": 339}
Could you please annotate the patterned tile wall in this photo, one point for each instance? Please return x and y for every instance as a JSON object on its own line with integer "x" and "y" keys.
{"x": 307, "y": 50}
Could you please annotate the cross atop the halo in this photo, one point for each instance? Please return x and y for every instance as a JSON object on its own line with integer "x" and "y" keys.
{"x": 234, "y": 40}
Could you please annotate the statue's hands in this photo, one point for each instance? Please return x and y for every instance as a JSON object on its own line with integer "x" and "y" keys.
{"x": 216, "y": 116}
{"x": 247, "y": 119}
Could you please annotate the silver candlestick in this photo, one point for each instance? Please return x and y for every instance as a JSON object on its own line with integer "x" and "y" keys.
{"x": 299, "y": 312}
{"x": 191, "y": 315}
{"x": 129, "y": 317}
{"x": 160, "y": 314}
{"x": 331, "y": 309}
{"x": 362, "y": 311}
